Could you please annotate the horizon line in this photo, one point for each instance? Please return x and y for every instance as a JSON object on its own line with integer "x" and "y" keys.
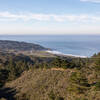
{"x": 54, "y": 34}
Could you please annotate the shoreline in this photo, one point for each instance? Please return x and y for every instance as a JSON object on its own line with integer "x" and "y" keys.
{"x": 60, "y": 53}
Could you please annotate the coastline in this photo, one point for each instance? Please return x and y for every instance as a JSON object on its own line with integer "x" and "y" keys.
{"x": 60, "y": 53}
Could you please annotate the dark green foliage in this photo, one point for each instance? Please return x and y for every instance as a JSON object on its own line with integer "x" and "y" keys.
{"x": 3, "y": 76}
{"x": 12, "y": 70}
{"x": 60, "y": 63}
{"x": 78, "y": 83}
{"x": 77, "y": 89}
{"x": 97, "y": 86}
{"x": 69, "y": 63}
{"x": 51, "y": 95}
{"x": 96, "y": 59}
{"x": 22, "y": 97}
{"x": 60, "y": 98}
{"x": 16, "y": 68}
{"x": 81, "y": 99}
{"x": 14, "y": 65}
{"x": 97, "y": 64}
{"x": 64, "y": 64}
{"x": 79, "y": 78}
{"x": 57, "y": 62}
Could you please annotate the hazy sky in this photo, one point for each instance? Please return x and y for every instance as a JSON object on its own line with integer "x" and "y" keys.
{"x": 49, "y": 16}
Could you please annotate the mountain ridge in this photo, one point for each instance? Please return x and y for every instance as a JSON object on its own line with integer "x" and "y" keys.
{"x": 7, "y": 45}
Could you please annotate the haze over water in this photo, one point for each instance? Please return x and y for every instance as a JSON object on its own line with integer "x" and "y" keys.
{"x": 82, "y": 45}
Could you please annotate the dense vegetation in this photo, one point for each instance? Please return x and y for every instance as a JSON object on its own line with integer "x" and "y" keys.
{"x": 25, "y": 77}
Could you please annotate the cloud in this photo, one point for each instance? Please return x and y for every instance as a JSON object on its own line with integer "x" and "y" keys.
{"x": 25, "y": 17}
{"x": 93, "y": 1}
{"x": 7, "y": 16}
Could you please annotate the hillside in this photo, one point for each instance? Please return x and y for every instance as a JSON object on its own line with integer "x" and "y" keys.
{"x": 39, "y": 83}
{"x": 80, "y": 82}
{"x": 47, "y": 84}
{"x": 7, "y": 45}
{"x": 31, "y": 77}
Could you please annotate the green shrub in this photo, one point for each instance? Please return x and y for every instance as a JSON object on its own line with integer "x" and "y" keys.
{"x": 79, "y": 78}
{"x": 59, "y": 98}
{"x": 78, "y": 83}
{"x": 81, "y": 99}
{"x": 3, "y": 77}
{"x": 52, "y": 95}
{"x": 97, "y": 86}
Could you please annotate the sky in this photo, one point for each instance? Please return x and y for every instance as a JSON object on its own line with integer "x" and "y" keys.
{"x": 49, "y": 17}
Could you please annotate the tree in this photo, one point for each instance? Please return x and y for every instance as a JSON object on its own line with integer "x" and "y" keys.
{"x": 79, "y": 78}
{"x": 57, "y": 62}
{"x": 97, "y": 64}
{"x": 78, "y": 83}
{"x": 12, "y": 70}
{"x": 64, "y": 64}
{"x": 3, "y": 76}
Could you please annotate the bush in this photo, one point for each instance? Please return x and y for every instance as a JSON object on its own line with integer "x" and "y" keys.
{"x": 97, "y": 86}
{"x": 3, "y": 77}
{"x": 52, "y": 95}
{"x": 78, "y": 83}
{"x": 60, "y": 98}
{"x": 60, "y": 63}
{"x": 79, "y": 78}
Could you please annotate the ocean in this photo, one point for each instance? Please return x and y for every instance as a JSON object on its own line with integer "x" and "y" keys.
{"x": 81, "y": 45}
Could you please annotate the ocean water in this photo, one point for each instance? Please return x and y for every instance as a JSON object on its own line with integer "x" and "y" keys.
{"x": 82, "y": 45}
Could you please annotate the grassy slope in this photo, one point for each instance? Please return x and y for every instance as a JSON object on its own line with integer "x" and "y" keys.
{"x": 38, "y": 84}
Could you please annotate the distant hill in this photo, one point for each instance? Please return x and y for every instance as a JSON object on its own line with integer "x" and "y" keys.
{"x": 7, "y": 45}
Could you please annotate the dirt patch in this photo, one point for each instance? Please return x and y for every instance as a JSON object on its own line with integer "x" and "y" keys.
{"x": 58, "y": 69}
